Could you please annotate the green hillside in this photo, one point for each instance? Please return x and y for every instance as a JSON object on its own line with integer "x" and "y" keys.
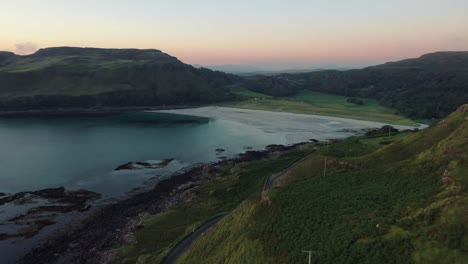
{"x": 90, "y": 77}
{"x": 431, "y": 86}
{"x": 401, "y": 199}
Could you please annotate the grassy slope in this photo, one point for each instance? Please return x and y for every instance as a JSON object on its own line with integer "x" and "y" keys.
{"x": 86, "y": 77}
{"x": 391, "y": 208}
{"x": 431, "y": 86}
{"x": 308, "y": 102}
{"x": 60, "y": 83}
{"x": 224, "y": 192}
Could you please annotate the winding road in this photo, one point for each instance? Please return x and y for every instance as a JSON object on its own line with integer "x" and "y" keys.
{"x": 185, "y": 244}
{"x": 270, "y": 182}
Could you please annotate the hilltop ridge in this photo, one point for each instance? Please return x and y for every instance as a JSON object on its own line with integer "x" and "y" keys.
{"x": 431, "y": 86}
{"x": 67, "y": 77}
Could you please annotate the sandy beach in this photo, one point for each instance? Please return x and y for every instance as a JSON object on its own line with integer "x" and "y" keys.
{"x": 294, "y": 127}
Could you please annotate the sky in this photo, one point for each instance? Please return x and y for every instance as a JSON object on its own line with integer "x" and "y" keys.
{"x": 264, "y": 33}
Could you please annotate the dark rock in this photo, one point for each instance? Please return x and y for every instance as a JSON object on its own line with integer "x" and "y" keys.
{"x": 252, "y": 155}
{"x": 382, "y": 131}
{"x": 51, "y": 193}
{"x": 31, "y": 230}
{"x": 275, "y": 147}
{"x": 219, "y": 151}
{"x": 46, "y": 194}
{"x": 347, "y": 130}
{"x": 44, "y": 222}
{"x": 35, "y": 219}
{"x": 143, "y": 165}
{"x": 26, "y": 199}
{"x": 126, "y": 166}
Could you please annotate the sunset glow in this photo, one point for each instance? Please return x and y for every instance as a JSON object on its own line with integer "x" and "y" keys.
{"x": 284, "y": 33}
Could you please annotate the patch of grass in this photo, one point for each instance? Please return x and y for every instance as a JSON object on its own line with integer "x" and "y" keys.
{"x": 307, "y": 102}
{"x": 248, "y": 94}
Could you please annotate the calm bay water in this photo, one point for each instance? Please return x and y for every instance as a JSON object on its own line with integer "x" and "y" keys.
{"x": 81, "y": 152}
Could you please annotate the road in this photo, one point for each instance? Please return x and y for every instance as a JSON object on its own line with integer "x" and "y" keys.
{"x": 185, "y": 244}
{"x": 270, "y": 182}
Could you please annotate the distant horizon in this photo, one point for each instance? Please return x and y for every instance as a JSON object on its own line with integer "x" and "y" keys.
{"x": 259, "y": 66}
{"x": 271, "y": 34}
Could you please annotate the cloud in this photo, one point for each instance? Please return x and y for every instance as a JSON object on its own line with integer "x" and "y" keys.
{"x": 25, "y": 48}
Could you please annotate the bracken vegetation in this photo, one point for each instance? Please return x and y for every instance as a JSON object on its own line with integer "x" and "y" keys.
{"x": 403, "y": 202}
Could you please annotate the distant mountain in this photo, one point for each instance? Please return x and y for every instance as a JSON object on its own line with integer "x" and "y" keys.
{"x": 90, "y": 77}
{"x": 448, "y": 60}
{"x": 235, "y": 69}
{"x": 431, "y": 86}
{"x": 5, "y": 54}
{"x": 252, "y": 70}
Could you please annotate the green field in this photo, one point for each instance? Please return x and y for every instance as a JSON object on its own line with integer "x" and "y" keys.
{"x": 378, "y": 203}
{"x": 308, "y": 102}
{"x": 248, "y": 94}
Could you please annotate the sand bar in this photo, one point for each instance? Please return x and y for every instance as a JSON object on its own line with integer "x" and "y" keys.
{"x": 295, "y": 127}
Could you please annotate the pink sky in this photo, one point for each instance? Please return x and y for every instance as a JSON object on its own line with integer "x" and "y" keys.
{"x": 296, "y": 33}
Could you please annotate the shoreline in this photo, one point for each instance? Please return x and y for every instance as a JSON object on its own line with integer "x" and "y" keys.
{"x": 168, "y": 109}
{"x": 237, "y": 114}
{"x": 92, "y": 239}
{"x": 88, "y": 111}
{"x": 293, "y": 127}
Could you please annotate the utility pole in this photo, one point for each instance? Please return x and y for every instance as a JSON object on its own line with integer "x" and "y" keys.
{"x": 325, "y": 167}
{"x": 310, "y": 255}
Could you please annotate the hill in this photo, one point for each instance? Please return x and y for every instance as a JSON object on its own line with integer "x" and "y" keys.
{"x": 397, "y": 199}
{"x": 431, "y": 86}
{"x": 91, "y": 77}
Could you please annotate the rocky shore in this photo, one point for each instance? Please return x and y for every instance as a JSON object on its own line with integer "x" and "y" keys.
{"x": 94, "y": 239}
{"x": 138, "y": 165}
{"x": 52, "y": 201}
